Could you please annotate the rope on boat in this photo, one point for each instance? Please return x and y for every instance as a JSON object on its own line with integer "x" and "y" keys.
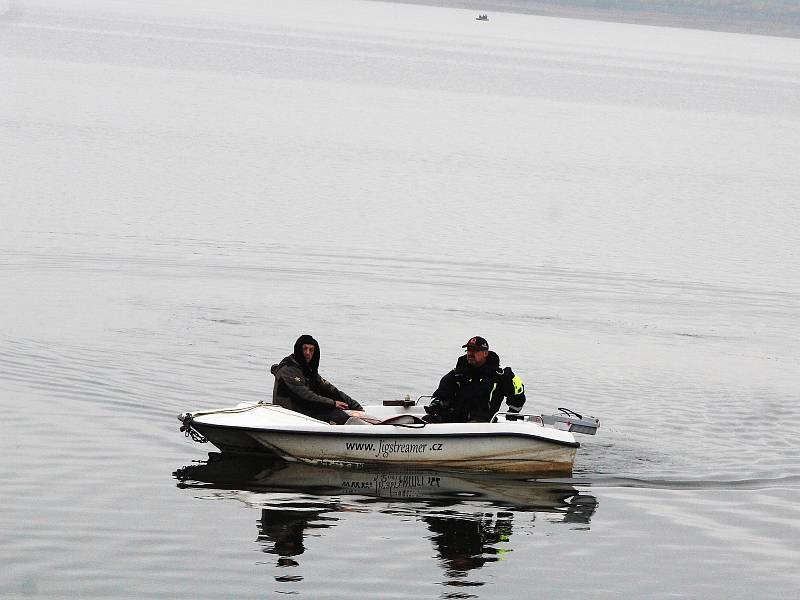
{"x": 235, "y": 409}
{"x": 196, "y": 436}
{"x": 190, "y": 431}
{"x": 570, "y": 413}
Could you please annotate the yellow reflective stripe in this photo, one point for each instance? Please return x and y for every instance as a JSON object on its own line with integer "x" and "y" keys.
{"x": 519, "y": 387}
{"x": 491, "y": 394}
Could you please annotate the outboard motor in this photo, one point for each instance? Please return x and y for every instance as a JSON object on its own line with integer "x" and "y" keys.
{"x": 572, "y": 422}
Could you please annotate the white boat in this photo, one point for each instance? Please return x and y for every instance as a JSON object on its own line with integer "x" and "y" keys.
{"x": 511, "y": 443}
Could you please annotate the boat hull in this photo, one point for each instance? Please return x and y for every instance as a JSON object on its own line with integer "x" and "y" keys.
{"x": 504, "y": 447}
{"x": 502, "y": 453}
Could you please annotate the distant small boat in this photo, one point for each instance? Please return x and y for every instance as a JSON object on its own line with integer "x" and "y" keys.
{"x": 482, "y": 17}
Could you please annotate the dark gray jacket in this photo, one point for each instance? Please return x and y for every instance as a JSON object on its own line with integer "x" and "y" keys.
{"x": 303, "y": 392}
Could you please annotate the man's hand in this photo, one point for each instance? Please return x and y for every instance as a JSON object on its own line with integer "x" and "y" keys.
{"x": 434, "y": 408}
{"x": 342, "y": 405}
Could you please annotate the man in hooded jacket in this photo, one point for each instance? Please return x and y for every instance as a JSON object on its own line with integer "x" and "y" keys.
{"x": 474, "y": 390}
{"x": 299, "y": 386}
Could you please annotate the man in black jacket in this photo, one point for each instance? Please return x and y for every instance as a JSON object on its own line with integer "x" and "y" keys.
{"x": 299, "y": 387}
{"x": 474, "y": 390}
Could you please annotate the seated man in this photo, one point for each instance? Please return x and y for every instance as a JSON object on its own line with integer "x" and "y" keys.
{"x": 474, "y": 390}
{"x": 299, "y": 387}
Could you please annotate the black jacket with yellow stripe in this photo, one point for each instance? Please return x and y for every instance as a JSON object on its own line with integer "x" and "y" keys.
{"x": 475, "y": 393}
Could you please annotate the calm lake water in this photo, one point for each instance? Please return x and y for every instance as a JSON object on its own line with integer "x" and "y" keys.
{"x": 185, "y": 188}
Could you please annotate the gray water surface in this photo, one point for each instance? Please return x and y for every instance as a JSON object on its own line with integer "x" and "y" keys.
{"x": 184, "y": 192}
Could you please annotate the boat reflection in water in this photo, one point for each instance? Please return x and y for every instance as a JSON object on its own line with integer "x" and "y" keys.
{"x": 470, "y": 516}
